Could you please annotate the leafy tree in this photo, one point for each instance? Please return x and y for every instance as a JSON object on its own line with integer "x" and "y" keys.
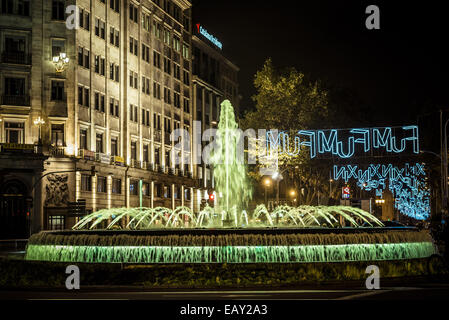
{"x": 288, "y": 101}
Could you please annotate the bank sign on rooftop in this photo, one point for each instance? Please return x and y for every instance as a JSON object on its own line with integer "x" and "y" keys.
{"x": 208, "y": 36}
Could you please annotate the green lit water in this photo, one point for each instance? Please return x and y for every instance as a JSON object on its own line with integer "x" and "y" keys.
{"x": 230, "y": 254}
{"x": 231, "y": 183}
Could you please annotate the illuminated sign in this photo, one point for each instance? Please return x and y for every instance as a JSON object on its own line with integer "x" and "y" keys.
{"x": 407, "y": 184}
{"x": 119, "y": 161}
{"x": 208, "y": 36}
{"x": 346, "y": 143}
{"x": 17, "y": 147}
{"x": 345, "y": 192}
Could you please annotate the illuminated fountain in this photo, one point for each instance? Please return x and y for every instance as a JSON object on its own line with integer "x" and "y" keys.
{"x": 229, "y": 232}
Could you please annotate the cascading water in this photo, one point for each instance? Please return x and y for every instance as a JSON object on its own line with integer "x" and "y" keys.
{"x": 231, "y": 184}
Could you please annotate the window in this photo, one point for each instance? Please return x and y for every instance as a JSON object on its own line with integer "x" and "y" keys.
{"x": 99, "y": 143}
{"x": 114, "y": 146}
{"x": 186, "y": 78}
{"x": 14, "y": 132}
{"x": 84, "y": 19}
{"x": 167, "y": 96}
{"x": 176, "y": 100}
{"x": 157, "y": 121}
{"x": 145, "y": 117}
{"x": 167, "y": 37}
{"x": 102, "y": 184}
{"x": 176, "y": 71}
{"x": 117, "y": 73}
{"x": 146, "y": 22}
{"x": 156, "y": 90}
{"x": 157, "y": 157}
{"x": 133, "y": 187}
{"x": 57, "y": 90}
{"x": 185, "y": 51}
{"x": 157, "y": 59}
{"x": 167, "y": 65}
{"x": 145, "y": 153}
{"x": 57, "y": 10}
{"x": 83, "y": 138}
{"x": 145, "y": 53}
{"x": 57, "y": 47}
{"x": 176, "y": 43}
{"x": 186, "y": 105}
{"x": 56, "y": 222}
{"x": 145, "y": 85}
{"x": 83, "y": 96}
{"x": 102, "y": 66}
{"x": 133, "y": 80}
{"x": 113, "y": 107}
{"x": 86, "y": 59}
{"x": 176, "y": 13}
{"x": 134, "y": 150}
{"x": 167, "y": 192}
{"x": 57, "y": 135}
{"x": 133, "y": 46}
{"x": 86, "y": 97}
{"x": 14, "y": 87}
{"x": 133, "y": 15}
{"x": 167, "y": 125}
{"x": 115, "y": 5}
{"x": 146, "y": 189}
{"x": 97, "y": 64}
{"x": 86, "y": 182}
{"x": 99, "y": 102}
{"x": 157, "y": 28}
{"x": 114, "y": 37}
{"x": 114, "y": 72}
{"x": 83, "y": 57}
{"x": 116, "y": 186}
{"x": 133, "y": 116}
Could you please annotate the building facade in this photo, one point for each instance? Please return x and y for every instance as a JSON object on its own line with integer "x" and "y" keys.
{"x": 214, "y": 80}
{"x": 96, "y": 127}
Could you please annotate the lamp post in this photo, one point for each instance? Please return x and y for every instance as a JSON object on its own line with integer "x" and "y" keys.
{"x": 266, "y": 184}
{"x": 39, "y": 122}
{"x": 277, "y": 176}
{"x": 61, "y": 62}
{"x": 293, "y": 194}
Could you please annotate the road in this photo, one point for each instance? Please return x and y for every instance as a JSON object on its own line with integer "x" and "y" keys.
{"x": 434, "y": 292}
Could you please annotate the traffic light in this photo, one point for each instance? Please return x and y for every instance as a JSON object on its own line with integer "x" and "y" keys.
{"x": 93, "y": 172}
{"x": 211, "y": 198}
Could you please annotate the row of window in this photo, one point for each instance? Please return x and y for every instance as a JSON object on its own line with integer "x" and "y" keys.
{"x": 116, "y": 187}
{"x": 19, "y": 7}
{"x": 100, "y": 65}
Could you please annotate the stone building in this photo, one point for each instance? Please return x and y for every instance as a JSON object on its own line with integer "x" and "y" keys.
{"x": 95, "y": 127}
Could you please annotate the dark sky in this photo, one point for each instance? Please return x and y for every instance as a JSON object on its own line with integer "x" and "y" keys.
{"x": 400, "y": 70}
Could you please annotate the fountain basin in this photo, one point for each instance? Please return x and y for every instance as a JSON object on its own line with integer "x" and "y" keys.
{"x": 252, "y": 245}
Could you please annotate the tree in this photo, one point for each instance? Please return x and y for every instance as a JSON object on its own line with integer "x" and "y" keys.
{"x": 288, "y": 101}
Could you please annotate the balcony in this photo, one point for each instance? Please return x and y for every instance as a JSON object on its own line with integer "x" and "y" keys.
{"x": 22, "y": 100}
{"x": 16, "y": 57}
{"x": 56, "y": 151}
{"x": 136, "y": 164}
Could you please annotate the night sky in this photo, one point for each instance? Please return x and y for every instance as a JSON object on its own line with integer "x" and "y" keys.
{"x": 399, "y": 70}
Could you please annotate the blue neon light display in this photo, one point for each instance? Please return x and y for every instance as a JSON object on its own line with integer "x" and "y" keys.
{"x": 208, "y": 36}
{"x": 407, "y": 184}
{"x": 345, "y": 143}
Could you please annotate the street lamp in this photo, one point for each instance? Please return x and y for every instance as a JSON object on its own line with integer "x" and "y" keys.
{"x": 39, "y": 122}
{"x": 61, "y": 62}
